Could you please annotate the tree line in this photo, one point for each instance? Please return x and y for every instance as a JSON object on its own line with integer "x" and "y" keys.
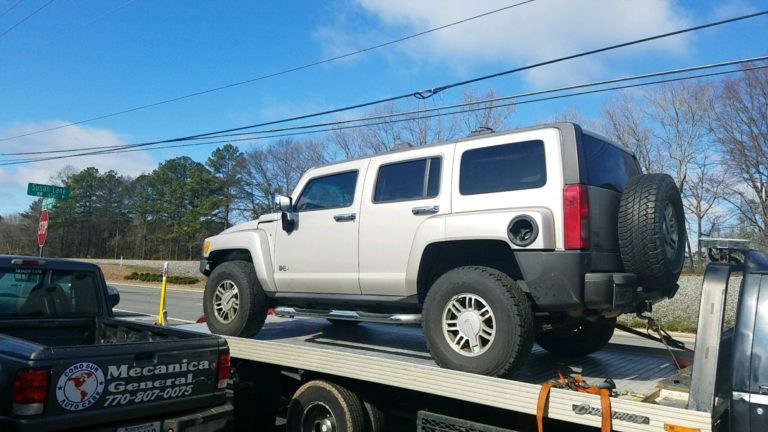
{"x": 710, "y": 136}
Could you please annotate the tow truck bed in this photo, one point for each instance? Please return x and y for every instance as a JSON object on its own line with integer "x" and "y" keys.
{"x": 397, "y": 356}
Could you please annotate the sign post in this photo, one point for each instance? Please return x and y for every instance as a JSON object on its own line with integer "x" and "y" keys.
{"x": 42, "y": 230}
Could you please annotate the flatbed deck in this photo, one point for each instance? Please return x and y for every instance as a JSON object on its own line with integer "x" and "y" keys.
{"x": 397, "y": 356}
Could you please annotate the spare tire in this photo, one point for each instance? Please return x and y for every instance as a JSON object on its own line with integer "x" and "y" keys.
{"x": 652, "y": 231}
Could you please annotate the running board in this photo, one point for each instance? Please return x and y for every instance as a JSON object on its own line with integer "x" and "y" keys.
{"x": 288, "y": 312}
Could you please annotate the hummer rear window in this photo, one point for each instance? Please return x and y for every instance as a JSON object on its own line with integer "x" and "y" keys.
{"x": 607, "y": 166}
{"x": 31, "y": 292}
{"x": 501, "y": 168}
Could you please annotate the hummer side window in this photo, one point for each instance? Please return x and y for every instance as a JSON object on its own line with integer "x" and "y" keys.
{"x": 328, "y": 192}
{"x": 411, "y": 180}
{"x": 501, "y": 168}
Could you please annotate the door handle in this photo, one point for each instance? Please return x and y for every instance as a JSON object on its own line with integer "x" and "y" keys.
{"x": 344, "y": 217}
{"x": 425, "y": 210}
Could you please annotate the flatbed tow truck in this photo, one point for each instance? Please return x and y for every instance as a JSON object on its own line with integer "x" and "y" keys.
{"x": 373, "y": 377}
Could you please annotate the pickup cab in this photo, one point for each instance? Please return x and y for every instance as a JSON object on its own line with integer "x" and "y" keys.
{"x": 67, "y": 364}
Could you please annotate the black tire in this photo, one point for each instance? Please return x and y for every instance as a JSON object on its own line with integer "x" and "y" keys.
{"x": 582, "y": 338}
{"x": 652, "y": 231}
{"x": 318, "y": 402}
{"x": 375, "y": 418}
{"x": 251, "y": 312}
{"x": 342, "y": 322}
{"x": 499, "y": 355}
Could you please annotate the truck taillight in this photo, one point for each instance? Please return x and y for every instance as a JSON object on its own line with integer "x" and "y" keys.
{"x": 576, "y": 216}
{"x": 223, "y": 369}
{"x": 30, "y": 387}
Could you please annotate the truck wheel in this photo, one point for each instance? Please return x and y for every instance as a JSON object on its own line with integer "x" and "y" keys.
{"x": 652, "y": 231}
{"x": 234, "y": 302}
{"x": 476, "y": 319}
{"x": 324, "y": 406}
{"x": 375, "y": 419}
{"x": 585, "y": 337}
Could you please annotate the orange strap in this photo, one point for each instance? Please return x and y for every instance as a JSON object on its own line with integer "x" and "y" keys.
{"x": 605, "y": 408}
{"x": 543, "y": 397}
{"x": 605, "y": 402}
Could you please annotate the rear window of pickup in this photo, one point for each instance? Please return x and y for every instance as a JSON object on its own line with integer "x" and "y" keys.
{"x": 36, "y": 292}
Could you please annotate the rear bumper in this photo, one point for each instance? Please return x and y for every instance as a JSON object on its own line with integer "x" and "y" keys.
{"x": 573, "y": 280}
{"x": 215, "y": 419}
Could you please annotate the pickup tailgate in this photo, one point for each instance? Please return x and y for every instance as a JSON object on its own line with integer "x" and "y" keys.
{"x": 117, "y": 383}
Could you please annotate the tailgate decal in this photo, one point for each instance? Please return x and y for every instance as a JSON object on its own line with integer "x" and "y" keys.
{"x": 80, "y": 386}
{"x": 86, "y": 384}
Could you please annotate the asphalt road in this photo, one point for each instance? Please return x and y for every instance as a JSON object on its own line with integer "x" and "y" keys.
{"x": 183, "y": 306}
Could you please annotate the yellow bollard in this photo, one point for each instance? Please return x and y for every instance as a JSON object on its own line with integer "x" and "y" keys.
{"x": 161, "y": 313}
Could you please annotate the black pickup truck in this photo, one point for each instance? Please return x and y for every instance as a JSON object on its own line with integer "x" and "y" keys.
{"x": 67, "y": 364}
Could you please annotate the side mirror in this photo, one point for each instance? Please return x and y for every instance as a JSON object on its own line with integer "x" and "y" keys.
{"x": 113, "y": 296}
{"x": 284, "y": 203}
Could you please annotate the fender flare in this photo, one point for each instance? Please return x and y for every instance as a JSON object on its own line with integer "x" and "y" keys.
{"x": 257, "y": 244}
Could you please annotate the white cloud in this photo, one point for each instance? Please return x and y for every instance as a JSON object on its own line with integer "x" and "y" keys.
{"x": 731, "y": 8}
{"x": 14, "y": 178}
{"x": 526, "y": 34}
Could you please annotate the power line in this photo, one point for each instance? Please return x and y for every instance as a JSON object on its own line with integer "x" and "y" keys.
{"x": 435, "y": 90}
{"x": 271, "y": 75}
{"x": 127, "y": 149}
{"x": 12, "y": 7}
{"x": 430, "y": 92}
{"x": 8, "y": 30}
{"x": 425, "y": 110}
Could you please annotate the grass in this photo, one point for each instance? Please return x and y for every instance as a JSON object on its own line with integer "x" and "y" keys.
{"x": 116, "y": 274}
{"x": 674, "y": 324}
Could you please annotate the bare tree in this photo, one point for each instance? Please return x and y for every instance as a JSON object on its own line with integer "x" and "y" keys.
{"x": 739, "y": 124}
{"x": 481, "y": 114}
{"x": 680, "y": 116}
{"x": 626, "y": 124}
{"x": 706, "y": 184}
{"x": 275, "y": 170}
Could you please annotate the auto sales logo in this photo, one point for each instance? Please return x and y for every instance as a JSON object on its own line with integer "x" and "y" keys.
{"x": 80, "y": 386}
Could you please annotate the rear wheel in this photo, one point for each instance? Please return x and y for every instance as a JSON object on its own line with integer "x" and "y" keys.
{"x": 476, "y": 319}
{"x": 578, "y": 338}
{"x": 234, "y": 303}
{"x": 322, "y": 406}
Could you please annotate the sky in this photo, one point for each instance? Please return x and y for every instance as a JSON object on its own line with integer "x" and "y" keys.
{"x": 65, "y": 61}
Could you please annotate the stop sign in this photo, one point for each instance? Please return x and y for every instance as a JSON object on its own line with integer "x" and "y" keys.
{"x": 42, "y": 228}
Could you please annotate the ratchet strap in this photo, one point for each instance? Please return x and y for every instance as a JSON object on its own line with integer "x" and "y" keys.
{"x": 577, "y": 383}
{"x": 664, "y": 338}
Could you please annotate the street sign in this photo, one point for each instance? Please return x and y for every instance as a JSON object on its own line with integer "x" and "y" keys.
{"x": 48, "y": 203}
{"x": 48, "y": 191}
{"x": 42, "y": 229}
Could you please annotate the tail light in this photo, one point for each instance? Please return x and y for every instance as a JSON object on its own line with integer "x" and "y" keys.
{"x": 576, "y": 216}
{"x": 30, "y": 387}
{"x": 223, "y": 369}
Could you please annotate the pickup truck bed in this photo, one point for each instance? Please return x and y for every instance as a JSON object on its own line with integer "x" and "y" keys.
{"x": 396, "y": 356}
{"x": 67, "y": 364}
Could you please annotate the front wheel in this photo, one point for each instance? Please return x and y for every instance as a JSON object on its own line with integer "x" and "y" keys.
{"x": 478, "y": 320}
{"x": 234, "y": 302}
{"x": 578, "y": 338}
